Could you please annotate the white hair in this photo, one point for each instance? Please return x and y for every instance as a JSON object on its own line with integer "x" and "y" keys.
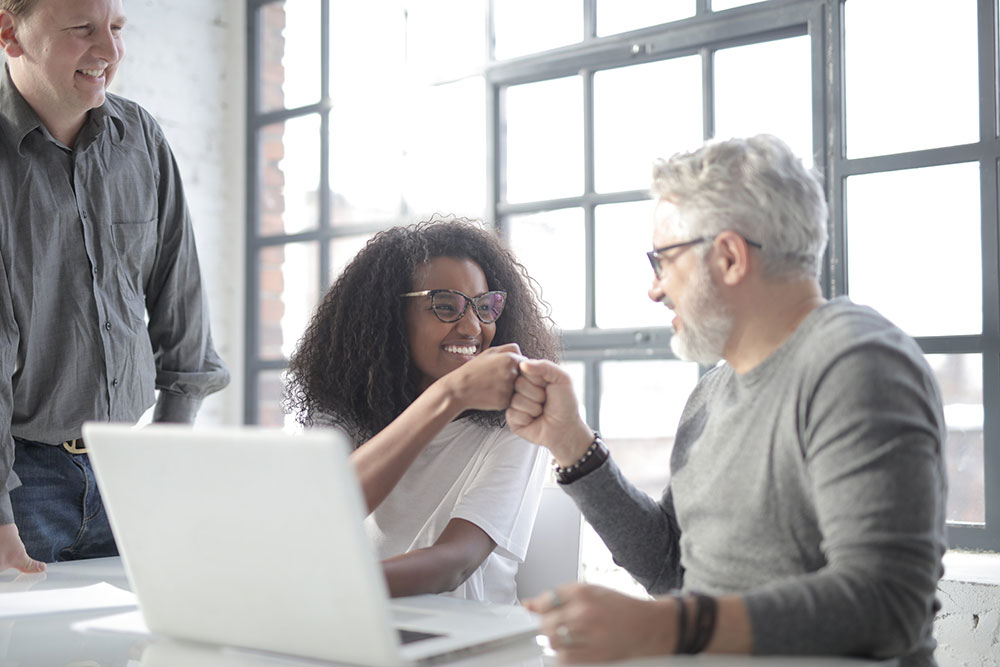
{"x": 708, "y": 320}
{"x": 756, "y": 187}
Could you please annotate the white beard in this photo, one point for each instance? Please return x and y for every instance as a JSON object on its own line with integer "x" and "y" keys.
{"x": 704, "y": 334}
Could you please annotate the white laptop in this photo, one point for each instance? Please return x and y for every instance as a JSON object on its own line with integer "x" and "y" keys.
{"x": 254, "y": 538}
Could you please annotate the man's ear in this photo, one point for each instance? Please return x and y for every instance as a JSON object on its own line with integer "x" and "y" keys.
{"x": 8, "y": 38}
{"x": 732, "y": 258}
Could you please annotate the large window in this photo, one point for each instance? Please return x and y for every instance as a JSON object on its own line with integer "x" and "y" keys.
{"x": 915, "y": 221}
{"x": 546, "y": 123}
{"x": 347, "y": 136}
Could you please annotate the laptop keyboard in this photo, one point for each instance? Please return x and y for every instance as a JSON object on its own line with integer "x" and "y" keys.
{"x": 405, "y": 615}
{"x": 410, "y": 636}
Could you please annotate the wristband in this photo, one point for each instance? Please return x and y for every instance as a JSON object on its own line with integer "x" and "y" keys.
{"x": 703, "y": 627}
{"x": 681, "y": 622}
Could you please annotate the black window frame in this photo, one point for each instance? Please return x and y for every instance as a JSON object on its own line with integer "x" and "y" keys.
{"x": 705, "y": 32}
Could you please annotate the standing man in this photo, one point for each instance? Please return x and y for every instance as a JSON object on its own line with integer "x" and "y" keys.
{"x": 101, "y": 300}
{"x": 805, "y": 509}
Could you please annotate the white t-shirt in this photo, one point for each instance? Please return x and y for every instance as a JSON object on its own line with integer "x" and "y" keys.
{"x": 487, "y": 476}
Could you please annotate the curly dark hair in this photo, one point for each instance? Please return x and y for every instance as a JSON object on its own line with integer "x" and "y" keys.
{"x": 346, "y": 368}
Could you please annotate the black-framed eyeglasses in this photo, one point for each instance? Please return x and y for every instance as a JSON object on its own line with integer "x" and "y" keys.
{"x": 449, "y": 305}
{"x": 657, "y": 255}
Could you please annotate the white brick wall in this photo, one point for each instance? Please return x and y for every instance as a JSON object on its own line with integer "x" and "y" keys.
{"x": 185, "y": 63}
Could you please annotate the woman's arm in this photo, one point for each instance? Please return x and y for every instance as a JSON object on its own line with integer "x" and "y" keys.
{"x": 484, "y": 383}
{"x": 443, "y": 566}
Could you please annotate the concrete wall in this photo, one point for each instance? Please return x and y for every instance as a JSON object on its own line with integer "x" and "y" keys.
{"x": 185, "y": 62}
{"x": 968, "y": 626}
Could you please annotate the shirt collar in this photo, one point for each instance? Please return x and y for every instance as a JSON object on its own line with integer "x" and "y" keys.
{"x": 16, "y": 115}
{"x": 18, "y": 119}
{"x": 107, "y": 115}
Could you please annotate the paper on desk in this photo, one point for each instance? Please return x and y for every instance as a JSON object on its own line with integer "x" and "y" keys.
{"x": 126, "y": 623}
{"x": 84, "y": 598}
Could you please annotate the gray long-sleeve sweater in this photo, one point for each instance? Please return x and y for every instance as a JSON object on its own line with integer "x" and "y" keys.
{"x": 813, "y": 485}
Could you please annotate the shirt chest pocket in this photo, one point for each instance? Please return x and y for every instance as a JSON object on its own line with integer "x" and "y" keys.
{"x": 135, "y": 250}
{"x": 129, "y": 203}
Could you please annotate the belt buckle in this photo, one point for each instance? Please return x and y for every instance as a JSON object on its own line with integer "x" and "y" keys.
{"x": 72, "y": 447}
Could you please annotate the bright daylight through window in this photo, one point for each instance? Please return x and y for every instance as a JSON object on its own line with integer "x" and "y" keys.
{"x": 547, "y": 127}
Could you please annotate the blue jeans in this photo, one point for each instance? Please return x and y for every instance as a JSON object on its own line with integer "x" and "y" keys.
{"x": 57, "y": 508}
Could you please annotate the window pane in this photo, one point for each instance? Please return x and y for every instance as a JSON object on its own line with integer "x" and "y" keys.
{"x": 342, "y": 251}
{"x": 641, "y": 113}
{"x": 911, "y": 75}
{"x": 366, "y": 169}
{"x": 534, "y": 239}
{"x": 623, "y": 274}
{"x": 370, "y": 105}
{"x": 766, "y": 88}
{"x": 289, "y": 285}
{"x": 289, "y": 180}
{"x": 914, "y": 248}
{"x": 401, "y": 145}
{"x": 270, "y": 391}
{"x": 719, "y": 5}
{"x": 577, "y": 373}
{"x": 527, "y": 26}
{"x": 445, "y": 38}
{"x": 961, "y": 379}
{"x": 614, "y": 16}
{"x": 290, "y": 65}
{"x": 446, "y": 155}
{"x": 544, "y": 140}
{"x": 641, "y": 403}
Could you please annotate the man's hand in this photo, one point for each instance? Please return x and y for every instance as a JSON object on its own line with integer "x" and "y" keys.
{"x": 544, "y": 411}
{"x": 13, "y": 554}
{"x": 586, "y": 623}
{"x": 487, "y": 381}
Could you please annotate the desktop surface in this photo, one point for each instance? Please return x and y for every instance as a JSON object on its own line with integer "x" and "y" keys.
{"x": 49, "y": 638}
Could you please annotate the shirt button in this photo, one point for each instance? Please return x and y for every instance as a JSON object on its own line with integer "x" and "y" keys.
{"x": 114, "y": 383}
{"x": 107, "y": 325}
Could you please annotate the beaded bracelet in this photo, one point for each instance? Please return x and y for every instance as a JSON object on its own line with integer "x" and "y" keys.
{"x": 595, "y": 455}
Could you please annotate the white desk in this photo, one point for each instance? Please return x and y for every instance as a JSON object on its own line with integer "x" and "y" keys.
{"x": 47, "y": 640}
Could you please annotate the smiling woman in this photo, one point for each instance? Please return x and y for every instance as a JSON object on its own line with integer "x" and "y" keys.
{"x": 413, "y": 352}
{"x": 442, "y": 337}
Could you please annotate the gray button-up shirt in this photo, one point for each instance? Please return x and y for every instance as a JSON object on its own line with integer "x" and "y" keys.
{"x": 101, "y": 298}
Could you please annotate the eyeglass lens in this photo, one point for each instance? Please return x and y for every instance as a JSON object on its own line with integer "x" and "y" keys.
{"x": 654, "y": 260}
{"x": 450, "y": 306}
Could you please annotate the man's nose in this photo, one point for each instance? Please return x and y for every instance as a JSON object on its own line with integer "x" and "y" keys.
{"x": 106, "y": 46}
{"x": 656, "y": 291}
